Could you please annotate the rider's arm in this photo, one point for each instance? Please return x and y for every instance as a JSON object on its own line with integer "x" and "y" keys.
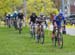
{"x": 64, "y": 21}
{"x": 30, "y": 20}
{"x": 55, "y": 24}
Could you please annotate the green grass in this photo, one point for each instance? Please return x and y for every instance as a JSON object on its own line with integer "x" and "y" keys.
{"x": 12, "y": 43}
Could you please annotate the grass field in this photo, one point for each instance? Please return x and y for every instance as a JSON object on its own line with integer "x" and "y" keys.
{"x": 12, "y": 43}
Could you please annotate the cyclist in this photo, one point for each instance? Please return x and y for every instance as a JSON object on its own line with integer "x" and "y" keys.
{"x": 8, "y": 19}
{"x": 58, "y": 22}
{"x": 15, "y": 15}
{"x": 40, "y": 29}
{"x": 20, "y": 20}
{"x": 33, "y": 18}
{"x": 52, "y": 19}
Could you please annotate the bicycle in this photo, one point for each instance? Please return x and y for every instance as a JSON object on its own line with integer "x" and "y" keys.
{"x": 58, "y": 37}
{"x": 15, "y": 24}
{"x": 40, "y": 34}
{"x": 32, "y": 30}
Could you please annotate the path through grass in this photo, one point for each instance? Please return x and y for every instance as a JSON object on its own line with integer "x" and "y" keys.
{"x": 12, "y": 43}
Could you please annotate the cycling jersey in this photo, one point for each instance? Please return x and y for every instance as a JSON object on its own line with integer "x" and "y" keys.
{"x": 15, "y": 15}
{"x": 33, "y": 18}
{"x": 59, "y": 21}
{"x": 20, "y": 15}
{"x": 40, "y": 20}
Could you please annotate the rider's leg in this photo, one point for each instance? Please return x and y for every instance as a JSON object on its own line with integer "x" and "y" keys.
{"x": 42, "y": 33}
{"x": 38, "y": 38}
{"x": 43, "y": 37}
{"x": 15, "y": 23}
{"x": 53, "y": 34}
{"x": 38, "y": 32}
{"x": 9, "y": 23}
{"x": 32, "y": 29}
{"x": 54, "y": 31}
{"x": 20, "y": 26}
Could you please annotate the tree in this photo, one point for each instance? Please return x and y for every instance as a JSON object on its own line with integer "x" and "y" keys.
{"x": 8, "y": 6}
{"x": 44, "y": 6}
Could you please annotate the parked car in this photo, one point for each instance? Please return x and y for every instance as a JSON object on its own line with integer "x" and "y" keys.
{"x": 70, "y": 19}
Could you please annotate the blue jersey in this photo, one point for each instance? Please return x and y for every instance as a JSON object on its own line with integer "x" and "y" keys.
{"x": 15, "y": 15}
{"x": 59, "y": 21}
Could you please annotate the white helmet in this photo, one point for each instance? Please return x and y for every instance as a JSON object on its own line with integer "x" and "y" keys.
{"x": 20, "y": 11}
{"x": 41, "y": 14}
{"x": 15, "y": 12}
{"x": 9, "y": 13}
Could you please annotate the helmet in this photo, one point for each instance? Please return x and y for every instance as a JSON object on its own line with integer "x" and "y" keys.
{"x": 20, "y": 11}
{"x": 15, "y": 11}
{"x": 33, "y": 13}
{"x": 41, "y": 14}
{"x": 60, "y": 14}
{"x": 9, "y": 13}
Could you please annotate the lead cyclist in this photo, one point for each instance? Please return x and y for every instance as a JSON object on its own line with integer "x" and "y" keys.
{"x": 58, "y": 23}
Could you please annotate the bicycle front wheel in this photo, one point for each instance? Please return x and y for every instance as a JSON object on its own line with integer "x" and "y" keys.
{"x": 60, "y": 40}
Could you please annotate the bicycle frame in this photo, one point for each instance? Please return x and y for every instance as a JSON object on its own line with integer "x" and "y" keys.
{"x": 59, "y": 38}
